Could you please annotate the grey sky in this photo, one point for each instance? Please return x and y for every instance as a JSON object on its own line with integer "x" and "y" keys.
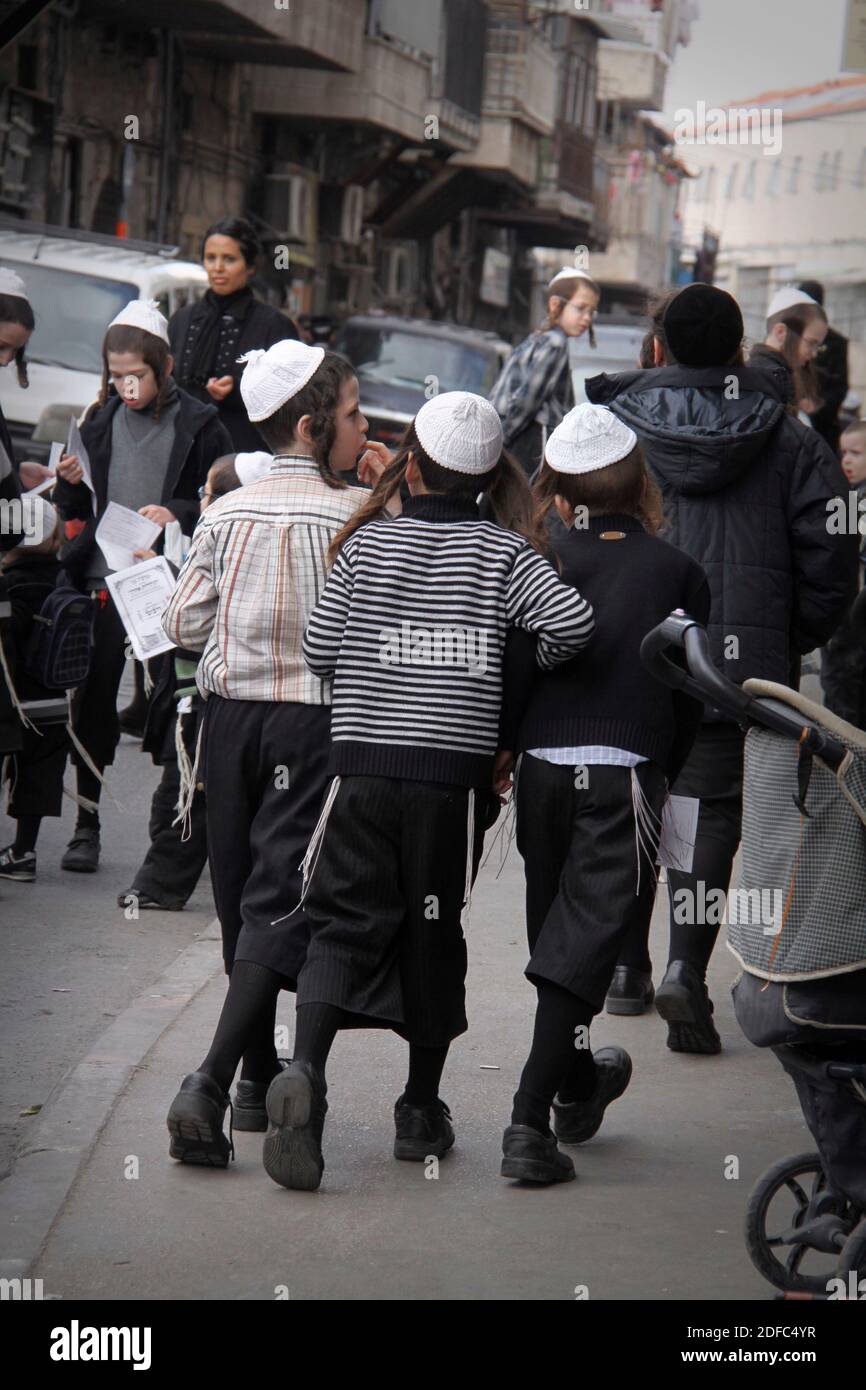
{"x": 742, "y": 47}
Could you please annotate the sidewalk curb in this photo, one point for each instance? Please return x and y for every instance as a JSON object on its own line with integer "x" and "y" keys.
{"x": 32, "y": 1197}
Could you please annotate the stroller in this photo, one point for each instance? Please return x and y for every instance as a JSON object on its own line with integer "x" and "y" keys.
{"x": 802, "y": 991}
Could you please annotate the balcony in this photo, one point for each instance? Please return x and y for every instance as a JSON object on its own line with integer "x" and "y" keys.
{"x": 641, "y": 223}
{"x": 519, "y": 107}
{"x": 566, "y": 183}
{"x": 631, "y": 74}
{"x": 390, "y": 91}
{"x": 323, "y": 34}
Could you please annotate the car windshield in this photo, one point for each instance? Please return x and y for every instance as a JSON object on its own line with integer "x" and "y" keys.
{"x": 411, "y": 359}
{"x": 72, "y": 312}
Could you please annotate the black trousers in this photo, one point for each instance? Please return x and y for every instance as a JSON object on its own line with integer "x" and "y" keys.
{"x": 173, "y": 866}
{"x": 35, "y": 774}
{"x": 581, "y": 861}
{"x": 265, "y": 772}
{"x": 714, "y": 773}
{"x": 95, "y": 719}
{"x": 384, "y": 905}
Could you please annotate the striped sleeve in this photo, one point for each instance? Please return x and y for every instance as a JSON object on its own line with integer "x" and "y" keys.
{"x": 189, "y": 618}
{"x": 327, "y": 624}
{"x": 542, "y": 604}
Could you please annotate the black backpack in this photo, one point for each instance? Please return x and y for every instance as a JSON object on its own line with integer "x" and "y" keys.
{"x": 60, "y": 647}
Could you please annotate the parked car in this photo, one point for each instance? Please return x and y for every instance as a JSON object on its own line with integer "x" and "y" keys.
{"x": 618, "y": 345}
{"x": 77, "y": 281}
{"x": 402, "y": 362}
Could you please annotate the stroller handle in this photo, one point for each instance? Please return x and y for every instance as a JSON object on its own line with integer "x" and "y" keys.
{"x": 699, "y": 678}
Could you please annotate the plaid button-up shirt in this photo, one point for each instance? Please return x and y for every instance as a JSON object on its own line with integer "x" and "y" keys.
{"x": 255, "y": 572}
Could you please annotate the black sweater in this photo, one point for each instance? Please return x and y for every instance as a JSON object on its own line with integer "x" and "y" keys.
{"x": 605, "y": 695}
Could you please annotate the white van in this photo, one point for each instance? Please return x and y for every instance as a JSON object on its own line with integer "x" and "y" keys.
{"x": 77, "y": 281}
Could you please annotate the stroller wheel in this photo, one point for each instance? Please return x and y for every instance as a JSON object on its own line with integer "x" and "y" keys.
{"x": 853, "y": 1258}
{"x": 773, "y": 1240}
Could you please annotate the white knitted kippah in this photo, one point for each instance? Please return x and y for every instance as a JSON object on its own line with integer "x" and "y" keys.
{"x": 144, "y": 314}
{"x": 12, "y": 284}
{"x": 251, "y": 468}
{"x": 272, "y": 377}
{"x": 788, "y": 298}
{"x": 461, "y": 431}
{"x": 570, "y": 272}
{"x": 590, "y": 437}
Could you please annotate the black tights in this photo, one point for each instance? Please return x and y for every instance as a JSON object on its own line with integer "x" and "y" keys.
{"x": 316, "y": 1028}
{"x": 559, "y": 1059}
{"x": 246, "y": 1027}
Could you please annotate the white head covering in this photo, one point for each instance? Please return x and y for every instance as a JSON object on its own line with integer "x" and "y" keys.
{"x": 590, "y": 437}
{"x": 570, "y": 272}
{"x": 272, "y": 377}
{"x": 460, "y": 431}
{"x": 251, "y": 468}
{"x": 12, "y": 284}
{"x": 788, "y": 298}
{"x": 39, "y": 520}
{"x": 144, "y": 314}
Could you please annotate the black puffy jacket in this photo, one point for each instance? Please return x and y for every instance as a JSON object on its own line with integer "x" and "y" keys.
{"x": 746, "y": 490}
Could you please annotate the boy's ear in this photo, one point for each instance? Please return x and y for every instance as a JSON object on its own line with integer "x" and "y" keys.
{"x": 658, "y": 353}
{"x": 565, "y": 509}
{"x": 303, "y": 429}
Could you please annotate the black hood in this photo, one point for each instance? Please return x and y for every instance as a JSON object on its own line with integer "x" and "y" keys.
{"x": 700, "y": 428}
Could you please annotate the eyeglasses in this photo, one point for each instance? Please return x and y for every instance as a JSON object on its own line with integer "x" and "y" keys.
{"x": 203, "y": 492}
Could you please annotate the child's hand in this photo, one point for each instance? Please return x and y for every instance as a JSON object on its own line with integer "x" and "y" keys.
{"x": 374, "y": 461}
{"x": 160, "y": 515}
{"x": 31, "y": 473}
{"x": 220, "y": 386}
{"x": 144, "y": 554}
{"x": 503, "y": 769}
{"x": 70, "y": 469}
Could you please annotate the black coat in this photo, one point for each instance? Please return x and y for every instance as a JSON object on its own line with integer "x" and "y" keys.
{"x": 10, "y": 724}
{"x": 832, "y": 370}
{"x": 199, "y": 440}
{"x": 262, "y": 327}
{"x": 745, "y": 489}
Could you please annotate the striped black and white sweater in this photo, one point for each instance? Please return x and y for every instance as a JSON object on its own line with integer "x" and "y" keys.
{"x": 411, "y": 626}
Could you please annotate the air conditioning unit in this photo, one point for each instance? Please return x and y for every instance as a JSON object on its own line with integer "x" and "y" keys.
{"x": 290, "y": 205}
{"x": 352, "y": 216}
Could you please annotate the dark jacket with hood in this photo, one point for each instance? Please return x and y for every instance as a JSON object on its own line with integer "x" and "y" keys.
{"x": 199, "y": 440}
{"x": 746, "y": 490}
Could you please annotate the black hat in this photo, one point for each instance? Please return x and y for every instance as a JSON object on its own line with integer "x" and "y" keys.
{"x": 703, "y": 326}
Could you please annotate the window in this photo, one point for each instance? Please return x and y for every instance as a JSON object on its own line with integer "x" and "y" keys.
{"x": 71, "y": 313}
{"x": 774, "y": 178}
{"x": 860, "y": 176}
{"x": 749, "y": 185}
{"x": 794, "y": 175}
{"x": 835, "y": 171}
{"x": 822, "y": 173}
{"x": 731, "y": 186}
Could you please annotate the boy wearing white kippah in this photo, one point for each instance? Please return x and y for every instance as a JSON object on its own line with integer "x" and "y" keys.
{"x": 255, "y": 572}
{"x": 150, "y": 446}
{"x": 600, "y": 739}
{"x": 411, "y": 628}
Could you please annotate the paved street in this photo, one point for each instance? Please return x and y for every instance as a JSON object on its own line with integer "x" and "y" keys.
{"x": 652, "y": 1215}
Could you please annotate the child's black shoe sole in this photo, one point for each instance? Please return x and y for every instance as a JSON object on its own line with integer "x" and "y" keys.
{"x": 195, "y": 1125}
{"x": 292, "y": 1152}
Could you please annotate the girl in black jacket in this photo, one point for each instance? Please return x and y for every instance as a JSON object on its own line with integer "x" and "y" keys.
{"x": 208, "y": 337}
{"x": 601, "y": 739}
{"x": 150, "y": 446}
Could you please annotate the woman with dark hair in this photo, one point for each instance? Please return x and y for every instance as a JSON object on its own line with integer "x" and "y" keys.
{"x": 534, "y": 391}
{"x": 745, "y": 489}
{"x": 16, "y": 326}
{"x": 208, "y": 337}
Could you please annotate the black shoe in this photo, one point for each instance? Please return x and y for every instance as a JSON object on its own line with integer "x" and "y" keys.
{"x": 21, "y": 868}
{"x": 684, "y": 1004}
{"x": 195, "y": 1123}
{"x": 423, "y": 1131}
{"x": 530, "y": 1156}
{"x": 144, "y": 900}
{"x": 249, "y": 1109}
{"x": 631, "y": 991}
{"x": 132, "y": 719}
{"x": 579, "y": 1120}
{"x": 82, "y": 852}
{"x": 296, "y": 1107}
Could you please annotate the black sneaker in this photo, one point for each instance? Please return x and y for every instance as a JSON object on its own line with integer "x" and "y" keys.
{"x": 684, "y": 1004}
{"x": 296, "y": 1107}
{"x": 144, "y": 900}
{"x": 82, "y": 852}
{"x": 21, "y": 868}
{"x": 631, "y": 991}
{"x": 248, "y": 1107}
{"x": 195, "y": 1123}
{"x": 579, "y": 1120}
{"x": 530, "y": 1156}
{"x": 423, "y": 1131}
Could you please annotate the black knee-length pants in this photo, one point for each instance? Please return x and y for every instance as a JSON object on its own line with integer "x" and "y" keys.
{"x": 384, "y": 905}
{"x": 580, "y": 855}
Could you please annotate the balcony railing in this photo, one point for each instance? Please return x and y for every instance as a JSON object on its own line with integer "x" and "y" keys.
{"x": 521, "y": 77}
